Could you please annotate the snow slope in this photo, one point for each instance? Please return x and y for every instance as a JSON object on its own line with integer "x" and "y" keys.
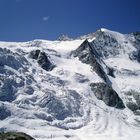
{"x": 59, "y": 104}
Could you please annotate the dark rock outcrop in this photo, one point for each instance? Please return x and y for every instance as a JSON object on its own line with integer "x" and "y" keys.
{"x": 34, "y": 54}
{"x": 42, "y": 59}
{"x": 135, "y": 55}
{"x": 105, "y": 93}
{"x": 88, "y": 54}
{"x": 14, "y": 136}
{"x": 64, "y": 38}
{"x": 136, "y": 41}
{"x": 133, "y": 100}
{"x": 138, "y": 56}
{"x": 111, "y": 72}
{"x": 137, "y": 35}
{"x": 132, "y": 106}
{"x": 83, "y": 52}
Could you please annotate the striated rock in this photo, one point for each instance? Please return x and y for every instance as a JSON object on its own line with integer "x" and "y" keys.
{"x": 105, "y": 93}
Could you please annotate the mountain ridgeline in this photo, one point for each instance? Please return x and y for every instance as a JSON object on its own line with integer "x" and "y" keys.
{"x": 90, "y": 83}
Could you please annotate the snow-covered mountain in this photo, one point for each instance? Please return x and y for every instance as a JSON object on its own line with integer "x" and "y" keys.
{"x": 78, "y": 89}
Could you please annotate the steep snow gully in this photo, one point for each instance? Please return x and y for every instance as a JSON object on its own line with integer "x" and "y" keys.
{"x": 78, "y": 89}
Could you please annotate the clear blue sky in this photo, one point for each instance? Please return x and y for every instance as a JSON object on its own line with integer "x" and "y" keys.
{"x": 23, "y": 20}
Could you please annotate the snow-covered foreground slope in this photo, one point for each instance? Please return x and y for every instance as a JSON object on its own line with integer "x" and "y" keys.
{"x": 45, "y": 91}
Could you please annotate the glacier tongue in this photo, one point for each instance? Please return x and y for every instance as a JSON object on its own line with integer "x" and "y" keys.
{"x": 45, "y": 88}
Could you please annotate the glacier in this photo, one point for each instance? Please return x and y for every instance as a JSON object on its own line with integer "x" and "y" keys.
{"x": 77, "y": 89}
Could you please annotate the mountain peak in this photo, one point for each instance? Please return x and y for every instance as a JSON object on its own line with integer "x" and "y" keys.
{"x": 64, "y": 37}
{"x": 94, "y": 34}
{"x": 103, "y": 29}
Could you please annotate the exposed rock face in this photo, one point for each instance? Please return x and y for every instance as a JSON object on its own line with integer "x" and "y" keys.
{"x": 136, "y": 40}
{"x": 133, "y": 101}
{"x": 83, "y": 52}
{"x": 88, "y": 54}
{"x": 10, "y": 81}
{"x": 42, "y": 60}
{"x": 111, "y": 72}
{"x": 34, "y": 54}
{"x": 138, "y": 56}
{"x": 10, "y": 59}
{"x": 135, "y": 55}
{"x": 64, "y": 38}
{"x": 105, "y": 93}
{"x": 137, "y": 35}
{"x": 105, "y": 44}
{"x": 15, "y": 136}
{"x": 132, "y": 106}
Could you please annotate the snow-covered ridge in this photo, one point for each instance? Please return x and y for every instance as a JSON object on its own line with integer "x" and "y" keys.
{"x": 49, "y": 93}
